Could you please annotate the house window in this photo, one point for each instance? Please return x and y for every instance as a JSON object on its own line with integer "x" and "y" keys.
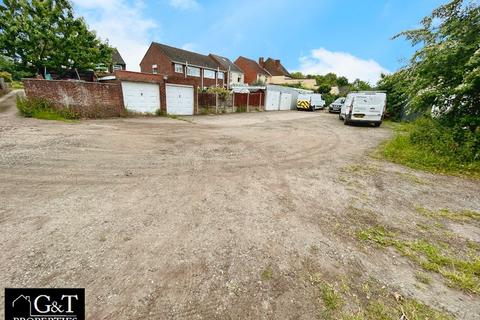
{"x": 178, "y": 68}
{"x": 117, "y": 67}
{"x": 220, "y": 75}
{"x": 154, "y": 69}
{"x": 209, "y": 74}
{"x": 194, "y": 72}
{"x": 239, "y": 79}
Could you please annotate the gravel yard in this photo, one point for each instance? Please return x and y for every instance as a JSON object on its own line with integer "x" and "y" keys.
{"x": 238, "y": 216}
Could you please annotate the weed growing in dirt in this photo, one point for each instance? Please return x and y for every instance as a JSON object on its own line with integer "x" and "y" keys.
{"x": 464, "y": 215}
{"x": 460, "y": 272}
{"x": 331, "y": 299}
{"x": 358, "y": 300}
{"x": 423, "y": 278}
{"x": 267, "y": 274}
{"x": 42, "y": 109}
{"x": 241, "y": 109}
{"x": 412, "y": 178}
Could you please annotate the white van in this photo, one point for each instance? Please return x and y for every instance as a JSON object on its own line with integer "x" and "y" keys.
{"x": 310, "y": 101}
{"x": 366, "y": 106}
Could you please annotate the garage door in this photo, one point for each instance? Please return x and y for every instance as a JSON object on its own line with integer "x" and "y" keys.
{"x": 285, "y": 101}
{"x": 273, "y": 100}
{"x": 140, "y": 96}
{"x": 179, "y": 99}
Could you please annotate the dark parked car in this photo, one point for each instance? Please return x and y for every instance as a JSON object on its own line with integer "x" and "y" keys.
{"x": 336, "y": 105}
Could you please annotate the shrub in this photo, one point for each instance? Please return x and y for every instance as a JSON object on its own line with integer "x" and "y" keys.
{"x": 427, "y": 144}
{"x": 42, "y": 109}
{"x": 457, "y": 143}
{"x": 6, "y": 76}
{"x": 222, "y": 92}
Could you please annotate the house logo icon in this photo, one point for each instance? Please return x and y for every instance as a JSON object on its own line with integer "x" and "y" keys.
{"x": 23, "y": 304}
{"x": 45, "y": 304}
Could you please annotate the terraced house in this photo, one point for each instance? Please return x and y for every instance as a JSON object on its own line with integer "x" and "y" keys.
{"x": 166, "y": 60}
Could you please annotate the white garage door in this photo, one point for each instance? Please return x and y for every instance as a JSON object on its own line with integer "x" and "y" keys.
{"x": 285, "y": 101}
{"x": 273, "y": 100}
{"x": 179, "y": 99}
{"x": 141, "y": 96}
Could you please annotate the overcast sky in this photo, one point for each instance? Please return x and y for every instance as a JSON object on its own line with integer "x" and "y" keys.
{"x": 348, "y": 37}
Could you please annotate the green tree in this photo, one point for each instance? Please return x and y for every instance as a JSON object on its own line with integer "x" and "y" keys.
{"x": 445, "y": 71}
{"x": 395, "y": 85}
{"x": 342, "y": 81}
{"x": 360, "y": 85}
{"x": 37, "y": 34}
{"x": 297, "y": 75}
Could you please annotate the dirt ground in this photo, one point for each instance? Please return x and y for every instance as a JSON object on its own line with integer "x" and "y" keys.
{"x": 212, "y": 217}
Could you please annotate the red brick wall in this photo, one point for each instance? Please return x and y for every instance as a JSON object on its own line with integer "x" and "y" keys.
{"x": 89, "y": 99}
{"x": 249, "y": 71}
{"x": 166, "y": 67}
{"x": 155, "y": 56}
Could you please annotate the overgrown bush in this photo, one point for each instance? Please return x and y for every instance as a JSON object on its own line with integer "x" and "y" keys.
{"x": 42, "y": 109}
{"x": 6, "y": 76}
{"x": 429, "y": 145}
{"x": 222, "y": 92}
{"x": 457, "y": 143}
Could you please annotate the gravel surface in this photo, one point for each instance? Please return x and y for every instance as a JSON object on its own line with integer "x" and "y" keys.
{"x": 163, "y": 218}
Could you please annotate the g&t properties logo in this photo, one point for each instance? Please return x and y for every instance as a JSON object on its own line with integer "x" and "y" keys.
{"x": 44, "y": 304}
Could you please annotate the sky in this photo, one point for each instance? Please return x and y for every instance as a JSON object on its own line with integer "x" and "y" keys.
{"x": 348, "y": 37}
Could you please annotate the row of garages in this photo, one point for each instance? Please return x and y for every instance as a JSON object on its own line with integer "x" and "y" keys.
{"x": 146, "y": 92}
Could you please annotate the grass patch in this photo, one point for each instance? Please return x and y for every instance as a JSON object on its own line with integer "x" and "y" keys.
{"x": 423, "y": 278}
{"x": 42, "y": 109}
{"x": 267, "y": 274}
{"x": 460, "y": 216}
{"x": 369, "y": 300}
{"x": 459, "y": 272}
{"x": 331, "y": 299}
{"x": 425, "y": 145}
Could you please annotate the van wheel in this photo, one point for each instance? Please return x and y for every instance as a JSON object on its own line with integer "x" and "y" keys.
{"x": 377, "y": 124}
{"x": 345, "y": 121}
{"x": 340, "y": 117}
{"x": 312, "y": 108}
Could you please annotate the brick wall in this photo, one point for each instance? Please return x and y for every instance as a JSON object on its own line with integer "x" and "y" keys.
{"x": 89, "y": 99}
{"x": 166, "y": 67}
{"x": 155, "y": 56}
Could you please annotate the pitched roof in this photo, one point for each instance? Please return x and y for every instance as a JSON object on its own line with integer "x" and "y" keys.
{"x": 225, "y": 63}
{"x": 275, "y": 68}
{"x": 254, "y": 65}
{"x": 116, "y": 57}
{"x": 184, "y": 56}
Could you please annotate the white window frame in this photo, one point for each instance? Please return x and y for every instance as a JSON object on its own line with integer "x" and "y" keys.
{"x": 190, "y": 73}
{"x": 178, "y": 68}
{"x": 220, "y": 75}
{"x": 154, "y": 69}
{"x": 117, "y": 67}
{"x": 208, "y": 74}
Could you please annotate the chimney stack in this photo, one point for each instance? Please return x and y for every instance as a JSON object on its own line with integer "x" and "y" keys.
{"x": 261, "y": 61}
{"x": 277, "y": 63}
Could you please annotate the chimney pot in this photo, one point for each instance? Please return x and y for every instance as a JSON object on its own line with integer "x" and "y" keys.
{"x": 261, "y": 61}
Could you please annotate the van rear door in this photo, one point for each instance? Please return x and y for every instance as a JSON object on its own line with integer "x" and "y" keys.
{"x": 368, "y": 107}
